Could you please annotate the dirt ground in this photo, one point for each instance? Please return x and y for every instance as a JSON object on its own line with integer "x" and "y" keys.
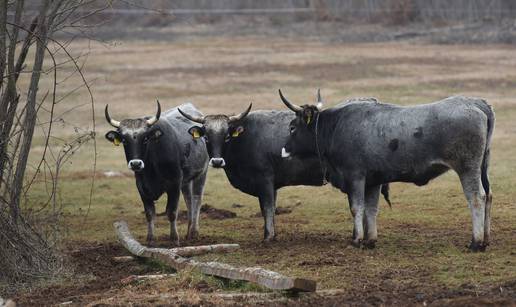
{"x": 420, "y": 258}
{"x": 105, "y": 286}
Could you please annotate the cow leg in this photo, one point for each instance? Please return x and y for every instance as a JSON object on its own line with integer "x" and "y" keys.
{"x": 268, "y": 206}
{"x": 198, "y": 190}
{"x": 186, "y": 189}
{"x": 372, "y": 195}
{"x": 356, "y": 202}
{"x": 476, "y": 197}
{"x": 150, "y": 215}
{"x": 172, "y": 202}
{"x": 487, "y": 220}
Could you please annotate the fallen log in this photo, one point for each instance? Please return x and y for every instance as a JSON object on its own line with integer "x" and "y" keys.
{"x": 266, "y": 278}
{"x": 7, "y": 303}
{"x": 129, "y": 279}
{"x": 123, "y": 259}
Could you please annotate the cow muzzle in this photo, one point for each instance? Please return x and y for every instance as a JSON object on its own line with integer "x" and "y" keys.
{"x": 217, "y": 162}
{"x": 284, "y": 153}
{"x": 136, "y": 165}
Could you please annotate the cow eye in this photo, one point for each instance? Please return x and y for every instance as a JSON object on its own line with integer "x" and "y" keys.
{"x": 227, "y": 138}
{"x": 292, "y": 129}
{"x": 205, "y": 138}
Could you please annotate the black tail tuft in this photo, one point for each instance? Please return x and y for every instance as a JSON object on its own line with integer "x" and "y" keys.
{"x": 385, "y": 193}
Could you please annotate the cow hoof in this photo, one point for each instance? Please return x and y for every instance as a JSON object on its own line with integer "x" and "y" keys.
{"x": 269, "y": 240}
{"x": 174, "y": 242}
{"x": 369, "y": 244}
{"x": 356, "y": 243}
{"x": 477, "y": 246}
{"x": 194, "y": 235}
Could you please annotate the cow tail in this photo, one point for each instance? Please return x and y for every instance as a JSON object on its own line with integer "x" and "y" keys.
{"x": 385, "y": 193}
{"x": 485, "y": 161}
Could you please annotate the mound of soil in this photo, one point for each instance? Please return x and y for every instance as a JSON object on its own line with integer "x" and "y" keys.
{"x": 209, "y": 212}
{"x": 98, "y": 275}
{"x": 279, "y": 211}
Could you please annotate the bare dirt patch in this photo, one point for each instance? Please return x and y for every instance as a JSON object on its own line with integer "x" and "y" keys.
{"x": 209, "y": 212}
{"x": 393, "y": 287}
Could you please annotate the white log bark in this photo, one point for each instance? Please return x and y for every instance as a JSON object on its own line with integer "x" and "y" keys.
{"x": 7, "y": 303}
{"x": 266, "y": 278}
{"x": 123, "y": 259}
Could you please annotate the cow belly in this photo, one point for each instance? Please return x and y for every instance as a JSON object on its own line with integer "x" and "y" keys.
{"x": 419, "y": 177}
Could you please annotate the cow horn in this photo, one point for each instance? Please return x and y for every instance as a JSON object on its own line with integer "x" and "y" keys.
{"x": 290, "y": 105}
{"x": 196, "y": 119}
{"x": 319, "y": 100}
{"x": 154, "y": 119}
{"x": 241, "y": 115}
{"x": 111, "y": 121}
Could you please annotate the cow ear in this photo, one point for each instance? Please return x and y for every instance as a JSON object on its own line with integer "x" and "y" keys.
{"x": 237, "y": 131}
{"x": 114, "y": 137}
{"x": 196, "y": 132}
{"x": 308, "y": 115}
{"x": 156, "y": 133}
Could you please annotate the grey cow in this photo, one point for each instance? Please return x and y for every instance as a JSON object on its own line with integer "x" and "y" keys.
{"x": 248, "y": 147}
{"x": 164, "y": 160}
{"x": 365, "y": 143}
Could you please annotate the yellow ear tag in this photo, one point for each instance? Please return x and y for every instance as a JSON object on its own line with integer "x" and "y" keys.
{"x": 116, "y": 141}
{"x": 309, "y": 120}
{"x": 196, "y": 134}
{"x": 235, "y": 133}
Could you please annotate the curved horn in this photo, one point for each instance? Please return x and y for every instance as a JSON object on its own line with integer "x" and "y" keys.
{"x": 290, "y": 105}
{"x": 196, "y": 119}
{"x": 111, "y": 121}
{"x": 154, "y": 119}
{"x": 241, "y": 115}
{"x": 319, "y": 99}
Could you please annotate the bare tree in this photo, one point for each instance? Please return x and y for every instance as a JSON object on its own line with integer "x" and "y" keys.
{"x": 29, "y": 29}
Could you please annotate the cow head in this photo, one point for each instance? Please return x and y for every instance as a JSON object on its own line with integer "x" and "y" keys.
{"x": 302, "y": 141}
{"x": 218, "y": 131}
{"x": 135, "y": 135}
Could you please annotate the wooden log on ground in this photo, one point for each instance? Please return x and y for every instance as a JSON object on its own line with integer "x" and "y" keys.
{"x": 189, "y": 251}
{"x": 266, "y": 278}
{"x": 123, "y": 259}
{"x": 7, "y": 303}
{"x": 131, "y": 278}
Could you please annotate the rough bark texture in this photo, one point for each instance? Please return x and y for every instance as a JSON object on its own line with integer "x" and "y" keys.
{"x": 266, "y": 278}
{"x": 30, "y": 113}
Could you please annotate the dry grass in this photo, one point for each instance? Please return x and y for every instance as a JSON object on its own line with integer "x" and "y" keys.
{"x": 422, "y": 239}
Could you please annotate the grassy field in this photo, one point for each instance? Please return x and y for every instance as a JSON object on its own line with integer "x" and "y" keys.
{"x": 421, "y": 254}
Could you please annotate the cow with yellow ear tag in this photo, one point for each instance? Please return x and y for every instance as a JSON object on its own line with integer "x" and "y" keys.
{"x": 164, "y": 160}
{"x": 247, "y": 146}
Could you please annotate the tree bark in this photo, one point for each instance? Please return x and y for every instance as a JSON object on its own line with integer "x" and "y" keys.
{"x": 263, "y": 277}
{"x": 30, "y": 112}
{"x": 3, "y": 38}
{"x": 10, "y": 96}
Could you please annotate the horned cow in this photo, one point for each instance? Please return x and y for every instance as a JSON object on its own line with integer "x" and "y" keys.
{"x": 164, "y": 160}
{"x": 364, "y": 144}
{"x": 247, "y": 146}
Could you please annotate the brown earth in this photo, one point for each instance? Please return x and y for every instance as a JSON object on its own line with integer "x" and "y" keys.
{"x": 105, "y": 286}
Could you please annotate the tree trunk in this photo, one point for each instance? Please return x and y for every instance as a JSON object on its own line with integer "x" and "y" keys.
{"x": 9, "y": 98}
{"x": 30, "y": 112}
{"x": 3, "y": 38}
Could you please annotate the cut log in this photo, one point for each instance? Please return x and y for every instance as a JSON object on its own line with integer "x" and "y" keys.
{"x": 131, "y": 278}
{"x": 123, "y": 259}
{"x": 266, "y": 278}
{"x": 189, "y": 251}
{"x": 7, "y": 303}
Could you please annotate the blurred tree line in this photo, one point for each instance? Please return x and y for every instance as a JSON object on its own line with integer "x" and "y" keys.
{"x": 400, "y": 11}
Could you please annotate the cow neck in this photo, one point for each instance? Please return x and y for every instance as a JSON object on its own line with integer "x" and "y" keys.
{"x": 318, "y": 149}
